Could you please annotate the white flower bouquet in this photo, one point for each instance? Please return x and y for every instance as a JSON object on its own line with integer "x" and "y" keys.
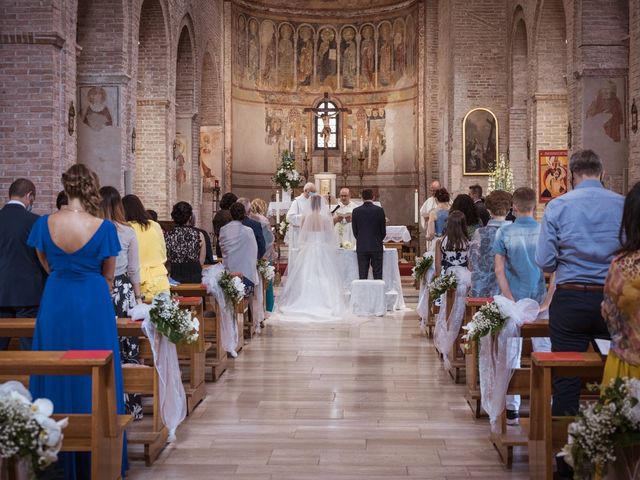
{"x": 604, "y": 428}
{"x": 488, "y": 320}
{"x": 346, "y": 245}
{"x": 422, "y": 267}
{"x": 283, "y": 227}
{"x": 232, "y": 287}
{"x": 27, "y": 431}
{"x": 286, "y": 176}
{"x": 441, "y": 284}
{"x": 266, "y": 271}
{"x": 177, "y": 324}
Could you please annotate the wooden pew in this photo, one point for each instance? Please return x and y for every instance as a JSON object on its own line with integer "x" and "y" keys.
{"x": 472, "y": 373}
{"x": 101, "y": 432}
{"x": 548, "y": 434}
{"x": 142, "y": 379}
{"x": 216, "y": 357}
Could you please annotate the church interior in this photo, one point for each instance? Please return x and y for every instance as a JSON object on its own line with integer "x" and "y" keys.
{"x": 186, "y": 100}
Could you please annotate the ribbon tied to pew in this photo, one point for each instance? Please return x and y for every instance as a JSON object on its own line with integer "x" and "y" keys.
{"x": 423, "y": 298}
{"x": 228, "y": 324}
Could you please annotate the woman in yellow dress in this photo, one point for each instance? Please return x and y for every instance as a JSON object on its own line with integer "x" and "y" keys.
{"x": 151, "y": 246}
{"x": 621, "y": 304}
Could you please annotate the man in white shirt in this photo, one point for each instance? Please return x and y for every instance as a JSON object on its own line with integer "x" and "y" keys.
{"x": 300, "y": 207}
{"x": 430, "y": 204}
{"x": 342, "y": 218}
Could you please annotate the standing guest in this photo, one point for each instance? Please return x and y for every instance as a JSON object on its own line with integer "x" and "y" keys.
{"x": 253, "y": 225}
{"x": 208, "y": 257}
{"x": 61, "y": 200}
{"x": 517, "y": 273}
{"x": 239, "y": 247}
{"x": 429, "y": 204}
{"x": 438, "y": 216}
{"x": 258, "y": 213}
{"x": 369, "y": 228}
{"x": 21, "y": 275}
{"x": 475, "y": 192}
{"x": 220, "y": 217}
{"x": 481, "y": 257}
{"x": 79, "y": 252}
{"x": 186, "y": 250}
{"x": 152, "y": 249}
{"x": 621, "y": 305}
{"x": 126, "y": 285}
{"x": 464, "y": 204}
{"x": 578, "y": 241}
{"x": 453, "y": 250}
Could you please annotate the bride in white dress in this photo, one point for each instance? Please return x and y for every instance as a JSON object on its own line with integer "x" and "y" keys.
{"x": 313, "y": 286}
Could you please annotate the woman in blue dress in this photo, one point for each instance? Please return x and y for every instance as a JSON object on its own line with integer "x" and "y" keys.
{"x": 79, "y": 251}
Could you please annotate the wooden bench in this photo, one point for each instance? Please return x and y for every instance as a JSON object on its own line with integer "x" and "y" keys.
{"x": 548, "y": 434}
{"x": 216, "y": 357}
{"x": 142, "y": 379}
{"x": 101, "y": 432}
{"x": 472, "y": 373}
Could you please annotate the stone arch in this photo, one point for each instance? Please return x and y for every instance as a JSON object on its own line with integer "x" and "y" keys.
{"x": 152, "y": 108}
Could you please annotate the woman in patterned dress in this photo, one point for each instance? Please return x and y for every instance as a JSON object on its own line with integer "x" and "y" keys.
{"x": 454, "y": 246}
{"x": 185, "y": 246}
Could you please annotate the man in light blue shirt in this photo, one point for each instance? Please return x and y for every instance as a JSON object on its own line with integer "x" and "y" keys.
{"x": 578, "y": 240}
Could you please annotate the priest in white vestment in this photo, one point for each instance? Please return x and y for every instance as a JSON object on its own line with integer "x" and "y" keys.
{"x": 300, "y": 207}
{"x": 430, "y": 204}
{"x": 342, "y": 218}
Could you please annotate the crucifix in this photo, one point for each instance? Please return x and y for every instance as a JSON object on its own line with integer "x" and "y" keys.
{"x": 326, "y": 110}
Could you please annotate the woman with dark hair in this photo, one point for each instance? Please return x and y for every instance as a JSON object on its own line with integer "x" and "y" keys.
{"x": 78, "y": 250}
{"x": 152, "y": 250}
{"x": 453, "y": 248}
{"x": 126, "y": 285}
{"x": 438, "y": 217}
{"x": 621, "y": 304}
{"x": 185, "y": 246}
{"x": 464, "y": 203}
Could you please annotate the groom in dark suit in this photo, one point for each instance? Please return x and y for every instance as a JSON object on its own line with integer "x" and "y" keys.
{"x": 21, "y": 275}
{"x": 369, "y": 227}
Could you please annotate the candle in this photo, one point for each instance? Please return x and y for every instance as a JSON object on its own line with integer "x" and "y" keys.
{"x": 361, "y": 140}
{"x": 344, "y": 142}
{"x": 306, "y": 141}
{"x": 291, "y": 145}
{"x": 277, "y": 208}
{"x": 415, "y": 206}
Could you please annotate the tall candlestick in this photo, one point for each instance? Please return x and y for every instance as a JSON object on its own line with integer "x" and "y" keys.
{"x": 361, "y": 140}
{"x": 415, "y": 206}
{"x": 306, "y": 141}
{"x": 291, "y": 145}
{"x": 277, "y": 209}
{"x": 344, "y": 143}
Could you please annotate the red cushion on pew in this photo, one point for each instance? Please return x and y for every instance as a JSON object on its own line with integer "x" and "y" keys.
{"x": 188, "y": 299}
{"x": 86, "y": 354}
{"x": 569, "y": 356}
{"x": 480, "y": 299}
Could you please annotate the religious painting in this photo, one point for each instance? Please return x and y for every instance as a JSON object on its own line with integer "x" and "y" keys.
{"x": 211, "y": 141}
{"x": 411, "y": 45}
{"x": 399, "y": 50}
{"x": 253, "y": 52}
{"x": 268, "y": 53}
{"x": 241, "y": 47}
{"x": 273, "y": 126}
{"x": 553, "y": 168}
{"x": 376, "y": 143}
{"x": 327, "y": 58}
{"x": 99, "y": 106}
{"x": 285, "y": 57}
{"x": 305, "y": 55}
{"x": 385, "y": 54}
{"x": 479, "y": 142}
{"x": 182, "y": 159}
{"x": 367, "y": 57}
{"x": 604, "y": 124}
{"x": 348, "y": 57}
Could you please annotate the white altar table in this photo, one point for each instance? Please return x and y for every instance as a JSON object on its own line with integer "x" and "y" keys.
{"x": 397, "y": 234}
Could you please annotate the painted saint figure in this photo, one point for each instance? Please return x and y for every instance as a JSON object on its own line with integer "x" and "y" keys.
{"x": 385, "y": 63}
{"x": 285, "y": 57}
{"x": 305, "y": 56}
{"x": 241, "y": 59}
{"x": 327, "y": 58}
{"x": 607, "y": 101}
{"x": 367, "y": 56}
{"x": 268, "y": 43}
{"x": 253, "y": 57}
{"x": 97, "y": 115}
{"x": 349, "y": 54}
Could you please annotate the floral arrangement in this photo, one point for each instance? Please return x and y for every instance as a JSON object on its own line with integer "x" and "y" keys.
{"x": 488, "y": 320}
{"x": 177, "y": 324}
{"x": 266, "y": 271}
{"x": 613, "y": 421}
{"x": 346, "y": 245}
{"x": 422, "y": 267}
{"x": 27, "y": 431}
{"x": 441, "y": 284}
{"x": 501, "y": 177}
{"x": 287, "y": 177}
{"x": 232, "y": 287}
{"x": 283, "y": 227}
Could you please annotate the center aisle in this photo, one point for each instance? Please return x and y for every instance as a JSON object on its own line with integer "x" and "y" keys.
{"x": 365, "y": 398}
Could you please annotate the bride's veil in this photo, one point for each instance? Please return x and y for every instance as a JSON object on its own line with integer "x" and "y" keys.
{"x": 318, "y": 224}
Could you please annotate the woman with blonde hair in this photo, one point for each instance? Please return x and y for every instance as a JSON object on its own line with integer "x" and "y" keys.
{"x": 78, "y": 250}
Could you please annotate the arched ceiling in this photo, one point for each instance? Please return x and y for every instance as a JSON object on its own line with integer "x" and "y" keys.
{"x": 325, "y": 7}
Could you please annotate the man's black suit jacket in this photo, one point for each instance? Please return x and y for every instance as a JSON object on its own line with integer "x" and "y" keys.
{"x": 369, "y": 227}
{"x": 21, "y": 275}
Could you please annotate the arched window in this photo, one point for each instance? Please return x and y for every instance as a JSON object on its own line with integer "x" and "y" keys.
{"x": 327, "y": 125}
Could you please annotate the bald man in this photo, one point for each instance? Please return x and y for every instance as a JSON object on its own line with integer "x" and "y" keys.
{"x": 342, "y": 218}
{"x": 300, "y": 207}
{"x": 429, "y": 204}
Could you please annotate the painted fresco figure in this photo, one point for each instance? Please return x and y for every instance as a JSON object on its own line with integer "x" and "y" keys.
{"x": 348, "y": 60}
{"x": 97, "y": 115}
{"x": 285, "y": 57}
{"x": 367, "y": 54}
{"x": 607, "y": 101}
{"x": 305, "y": 56}
{"x": 253, "y": 58}
{"x": 385, "y": 64}
{"x": 327, "y": 58}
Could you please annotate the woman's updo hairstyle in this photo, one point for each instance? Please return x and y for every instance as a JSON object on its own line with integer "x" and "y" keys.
{"x": 181, "y": 213}
{"x": 80, "y": 182}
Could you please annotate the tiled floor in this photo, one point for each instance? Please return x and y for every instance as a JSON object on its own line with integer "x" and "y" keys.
{"x": 363, "y": 399}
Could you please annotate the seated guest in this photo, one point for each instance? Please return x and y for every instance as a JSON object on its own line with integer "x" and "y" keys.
{"x": 226, "y": 201}
{"x": 185, "y": 246}
{"x": 21, "y": 275}
{"x": 454, "y": 245}
{"x": 61, "y": 200}
{"x": 481, "y": 256}
{"x": 517, "y": 273}
{"x": 208, "y": 256}
{"x": 153, "y": 215}
{"x": 126, "y": 285}
{"x": 253, "y": 225}
{"x": 464, "y": 204}
{"x": 152, "y": 250}
{"x": 238, "y": 245}
{"x": 475, "y": 192}
{"x": 438, "y": 216}
{"x": 621, "y": 304}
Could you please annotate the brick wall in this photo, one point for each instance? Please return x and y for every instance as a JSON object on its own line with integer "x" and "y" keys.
{"x": 634, "y": 88}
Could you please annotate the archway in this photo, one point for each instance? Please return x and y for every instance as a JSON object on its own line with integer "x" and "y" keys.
{"x": 519, "y": 155}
